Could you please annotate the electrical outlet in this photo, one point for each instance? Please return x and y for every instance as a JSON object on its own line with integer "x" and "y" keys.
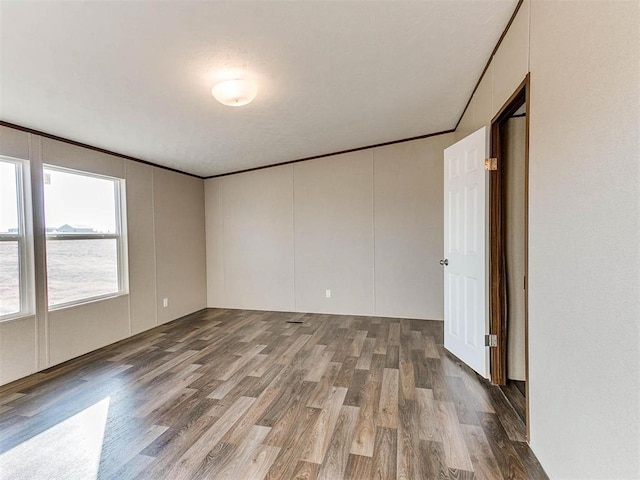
{"x": 327, "y": 293}
{"x": 165, "y": 302}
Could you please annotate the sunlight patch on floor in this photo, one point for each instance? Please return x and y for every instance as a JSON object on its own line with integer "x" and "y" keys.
{"x": 69, "y": 450}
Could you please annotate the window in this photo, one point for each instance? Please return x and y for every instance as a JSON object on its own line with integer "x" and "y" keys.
{"x": 86, "y": 244}
{"x": 15, "y": 252}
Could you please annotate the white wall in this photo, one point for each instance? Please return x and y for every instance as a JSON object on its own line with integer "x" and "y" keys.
{"x": 334, "y": 234}
{"x": 258, "y": 239}
{"x": 166, "y": 246}
{"x": 584, "y": 228}
{"x": 141, "y": 246}
{"x": 366, "y": 225}
{"x": 409, "y": 227}
{"x": 585, "y": 223}
{"x": 179, "y": 244}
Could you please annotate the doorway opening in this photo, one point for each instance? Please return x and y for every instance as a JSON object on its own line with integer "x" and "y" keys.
{"x": 508, "y": 204}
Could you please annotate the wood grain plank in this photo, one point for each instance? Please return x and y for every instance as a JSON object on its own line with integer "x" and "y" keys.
{"x": 359, "y": 468}
{"x": 455, "y": 448}
{"x": 506, "y": 456}
{"x": 197, "y": 452}
{"x": 356, "y": 389}
{"x": 234, "y": 466}
{"x": 364, "y": 360}
{"x": 335, "y": 461}
{"x": 323, "y": 387}
{"x": 408, "y": 453}
{"x": 387, "y": 413}
{"x": 432, "y": 460}
{"x": 428, "y": 420}
{"x": 394, "y": 334}
{"x": 287, "y": 460}
{"x": 346, "y": 372}
{"x": 407, "y": 381}
{"x": 365, "y": 429}
{"x": 291, "y": 352}
{"x": 319, "y": 367}
{"x": 358, "y": 343}
{"x": 384, "y": 454}
{"x": 290, "y": 415}
{"x": 259, "y": 464}
{"x": 462, "y": 400}
{"x": 484, "y": 463}
{"x": 244, "y": 424}
{"x": 306, "y": 471}
{"x": 322, "y": 431}
{"x": 382, "y": 338}
{"x": 222, "y": 390}
{"x": 430, "y": 348}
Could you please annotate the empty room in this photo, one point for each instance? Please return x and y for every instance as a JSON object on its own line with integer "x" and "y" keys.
{"x": 330, "y": 240}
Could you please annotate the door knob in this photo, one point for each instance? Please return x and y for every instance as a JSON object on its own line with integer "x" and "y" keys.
{"x": 444, "y": 262}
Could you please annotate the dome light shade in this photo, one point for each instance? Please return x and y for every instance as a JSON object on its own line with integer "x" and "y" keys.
{"x": 235, "y": 93}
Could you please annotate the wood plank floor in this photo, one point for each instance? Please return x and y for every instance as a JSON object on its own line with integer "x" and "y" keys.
{"x": 514, "y": 391}
{"x": 235, "y": 394}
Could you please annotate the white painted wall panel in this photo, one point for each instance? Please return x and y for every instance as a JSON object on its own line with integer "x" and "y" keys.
{"x": 251, "y": 243}
{"x": 76, "y": 330}
{"x": 511, "y": 61}
{"x": 258, "y": 239}
{"x": 408, "y": 228}
{"x": 334, "y": 234}
{"x": 483, "y": 111}
{"x": 480, "y": 110}
{"x": 466, "y": 122}
{"x": 71, "y": 156}
{"x": 14, "y": 143}
{"x": 141, "y": 244}
{"x": 17, "y": 349}
{"x": 585, "y": 238}
{"x": 180, "y": 244}
{"x": 214, "y": 221}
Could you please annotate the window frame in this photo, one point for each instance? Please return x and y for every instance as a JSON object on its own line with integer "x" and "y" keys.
{"x": 24, "y": 240}
{"x": 120, "y": 236}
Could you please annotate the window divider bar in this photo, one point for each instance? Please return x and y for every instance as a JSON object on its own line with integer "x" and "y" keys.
{"x": 10, "y": 238}
{"x": 83, "y": 236}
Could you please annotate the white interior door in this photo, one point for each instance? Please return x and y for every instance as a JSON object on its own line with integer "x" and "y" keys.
{"x": 466, "y": 319}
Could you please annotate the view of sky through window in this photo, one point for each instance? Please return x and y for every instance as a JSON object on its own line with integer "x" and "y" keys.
{"x": 79, "y": 201}
{"x": 8, "y": 197}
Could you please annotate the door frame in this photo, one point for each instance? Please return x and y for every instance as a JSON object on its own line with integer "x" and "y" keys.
{"x": 497, "y": 257}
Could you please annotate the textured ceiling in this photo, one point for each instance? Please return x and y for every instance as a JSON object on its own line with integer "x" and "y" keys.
{"x": 135, "y": 77}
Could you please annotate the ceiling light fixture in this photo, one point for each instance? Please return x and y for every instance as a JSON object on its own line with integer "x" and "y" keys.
{"x": 235, "y": 93}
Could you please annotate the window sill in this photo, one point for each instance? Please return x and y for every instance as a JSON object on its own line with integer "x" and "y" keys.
{"x": 86, "y": 301}
{"x": 16, "y": 317}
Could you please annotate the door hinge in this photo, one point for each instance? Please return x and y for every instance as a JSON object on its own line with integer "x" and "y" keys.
{"x": 491, "y": 341}
{"x": 491, "y": 164}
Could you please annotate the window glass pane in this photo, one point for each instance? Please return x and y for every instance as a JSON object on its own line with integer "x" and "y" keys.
{"x": 8, "y": 198}
{"x": 80, "y": 269}
{"x": 9, "y": 278}
{"x": 76, "y": 203}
